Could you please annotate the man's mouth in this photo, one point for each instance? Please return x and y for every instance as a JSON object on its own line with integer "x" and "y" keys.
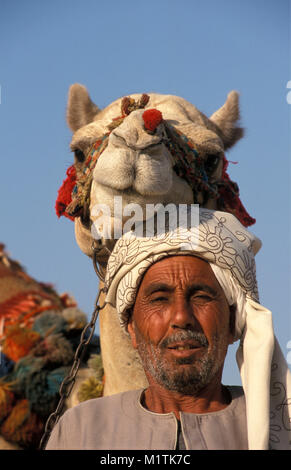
{"x": 184, "y": 347}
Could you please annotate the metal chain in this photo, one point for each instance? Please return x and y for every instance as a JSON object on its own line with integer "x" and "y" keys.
{"x": 69, "y": 381}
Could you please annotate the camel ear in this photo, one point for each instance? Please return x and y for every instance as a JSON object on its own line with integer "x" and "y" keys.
{"x": 80, "y": 109}
{"x": 226, "y": 119}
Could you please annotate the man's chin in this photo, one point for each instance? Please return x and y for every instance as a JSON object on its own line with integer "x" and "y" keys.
{"x": 184, "y": 388}
{"x": 183, "y": 373}
{"x": 186, "y": 381}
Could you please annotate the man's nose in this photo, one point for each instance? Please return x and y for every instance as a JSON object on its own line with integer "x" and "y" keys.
{"x": 183, "y": 315}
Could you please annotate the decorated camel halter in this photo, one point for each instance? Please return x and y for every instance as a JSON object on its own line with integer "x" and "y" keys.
{"x": 74, "y": 194}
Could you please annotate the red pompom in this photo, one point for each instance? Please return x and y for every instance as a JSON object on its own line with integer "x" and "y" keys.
{"x": 65, "y": 193}
{"x": 152, "y": 118}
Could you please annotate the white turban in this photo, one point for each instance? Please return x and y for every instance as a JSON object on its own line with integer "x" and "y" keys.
{"x": 230, "y": 249}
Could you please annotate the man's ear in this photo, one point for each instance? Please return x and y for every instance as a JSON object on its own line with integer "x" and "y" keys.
{"x": 232, "y": 310}
{"x": 131, "y": 331}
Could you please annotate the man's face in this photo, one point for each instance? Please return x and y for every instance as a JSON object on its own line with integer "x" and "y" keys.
{"x": 181, "y": 324}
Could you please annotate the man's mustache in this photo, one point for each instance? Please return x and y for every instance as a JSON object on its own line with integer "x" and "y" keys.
{"x": 183, "y": 336}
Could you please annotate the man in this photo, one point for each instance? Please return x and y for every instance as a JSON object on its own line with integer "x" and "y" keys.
{"x": 183, "y": 299}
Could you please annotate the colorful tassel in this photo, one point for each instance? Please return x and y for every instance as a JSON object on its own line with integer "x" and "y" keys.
{"x": 65, "y": 193}
{"x": 23, "y": 370}
{"x": 49, "y": 322}
{"x": 6, "y": 365}
{"x": 95, "y": 363}
{"x": 75, "y": 318}
{"x": 229, "y": 200}
{"x": 42, "y": 390}
{"x": 22, "y": 426}
{"x": 19, "y": 341}
{"x": 6, "y": 399}
{"x": 89, "y": 389}
{"x": 54, "y": 349}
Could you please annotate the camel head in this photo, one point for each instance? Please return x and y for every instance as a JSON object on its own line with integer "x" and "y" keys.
{"x": 148, "y": 149}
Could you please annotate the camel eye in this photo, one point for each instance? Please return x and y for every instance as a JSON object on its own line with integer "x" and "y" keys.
{"x": 79, "y": 155}
{"x": 211, "y": 163}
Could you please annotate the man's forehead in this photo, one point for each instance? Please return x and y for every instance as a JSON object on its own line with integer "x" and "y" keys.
{"x": 177, "y": 267}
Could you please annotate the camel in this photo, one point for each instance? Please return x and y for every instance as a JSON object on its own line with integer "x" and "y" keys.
{"x": 136, "y": 145}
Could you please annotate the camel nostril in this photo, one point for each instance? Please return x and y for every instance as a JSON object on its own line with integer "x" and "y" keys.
{"x": 152, "y": 118}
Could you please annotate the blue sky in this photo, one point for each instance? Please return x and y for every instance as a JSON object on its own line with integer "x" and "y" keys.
{"x": 197, "y": 49}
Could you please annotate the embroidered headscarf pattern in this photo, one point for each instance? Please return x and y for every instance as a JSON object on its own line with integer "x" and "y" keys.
{"x": 221, "y": 240}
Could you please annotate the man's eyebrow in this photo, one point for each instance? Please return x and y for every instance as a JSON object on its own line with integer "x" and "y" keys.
{"x": 158, "y": 286}
{"x": 201, "y": 287}
{"x": 161, "y": 286}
